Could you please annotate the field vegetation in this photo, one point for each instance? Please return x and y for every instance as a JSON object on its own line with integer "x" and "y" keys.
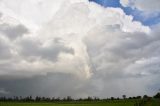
{"x": 90, "y": 101}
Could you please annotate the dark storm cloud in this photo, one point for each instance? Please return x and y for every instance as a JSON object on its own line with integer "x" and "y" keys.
{"x": 53, "y": 84}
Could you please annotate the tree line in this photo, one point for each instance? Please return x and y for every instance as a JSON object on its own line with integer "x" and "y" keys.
{"x": 68, "y": 98}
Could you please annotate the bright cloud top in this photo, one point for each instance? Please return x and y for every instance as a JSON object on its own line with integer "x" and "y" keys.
{"x": 99, "y": 47}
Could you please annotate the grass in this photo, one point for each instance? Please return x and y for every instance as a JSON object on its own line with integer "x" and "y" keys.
{"x": 154, "y": 102}
{"x": 52, "y": 104}
{"x": 120, "y": 103}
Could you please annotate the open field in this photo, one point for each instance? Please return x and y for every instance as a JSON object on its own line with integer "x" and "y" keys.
{"x": 109, "y": 103}
{"x": 67, "y": 104}
{"x": 114, "y": 103}
{"x": 154, "y": 102}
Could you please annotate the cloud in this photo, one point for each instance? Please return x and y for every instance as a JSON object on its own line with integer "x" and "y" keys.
{"x": 144, "y": 10}
{"x": 32, "y": 13}
{"x": 3, "y": 91}
{"x": 143, "y": 5}
{"x": 53, "y": 84}
{"x": 4, "y": 47}
{"x": 119, "y": 57}
{"x": 13, "y": 31}
{"x": 80, "y": 49}
{"x": 48, "y": 50}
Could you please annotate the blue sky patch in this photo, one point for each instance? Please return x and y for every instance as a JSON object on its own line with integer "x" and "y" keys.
{"x": 137, "y": 15}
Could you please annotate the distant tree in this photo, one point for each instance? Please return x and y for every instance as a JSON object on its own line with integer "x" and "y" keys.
{"x": 138, "y": 97}
{"x": 118, "y": 98}
{"x": 57, "y": 99}
{"x": 69, "y": 98}
{"x": 124, "y": 96}
{"x": 30, "y": 98}
{"x": 145, "y": 97}
{"x": 112, "y": 98}
{"x": 79, "y": 99}
{"x": 64, "y": 99}
{"x": 89, "y": 98}
{"x": 157, "y": 95}
{"x": 53, "y": 99}
{"x": 130, "y": 98}
{"x": 134, "y": 97}
{"x": 20, "y": 98}
{"x": 96, "y": 99}
{"x": 3, "y": 99}
{"x": 37, "y": 99}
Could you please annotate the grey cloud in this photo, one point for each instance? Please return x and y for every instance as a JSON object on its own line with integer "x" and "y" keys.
{"x": 0, "y": 15}
{"x": 35, "y": 48}
{"x": 3, "y": 91}
{"x": 13, "y": 31}
{"x": 125, "y": 48}
{"x": 117, "y": 56}
{"x": 5, "y": 52}
{"x": 54, "y": 84}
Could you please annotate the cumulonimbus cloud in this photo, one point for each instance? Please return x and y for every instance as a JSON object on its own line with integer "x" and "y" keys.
{"x": 103, "y": 49}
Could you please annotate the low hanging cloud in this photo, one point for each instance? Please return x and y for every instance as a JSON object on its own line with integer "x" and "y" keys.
{"x": 81, "y": 50}
{"x": 3, "y": 91}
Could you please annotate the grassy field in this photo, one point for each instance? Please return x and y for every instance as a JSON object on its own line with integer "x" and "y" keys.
{"x": 111, "y": 103}
{"x": 154, "y": 102}
{"x": 127, "y": 103}
{"x": 53, "y": 104}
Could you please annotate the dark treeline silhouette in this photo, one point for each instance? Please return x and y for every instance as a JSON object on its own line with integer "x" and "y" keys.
{"x": 69, "y": 98}
{"x": 45, "y": 99}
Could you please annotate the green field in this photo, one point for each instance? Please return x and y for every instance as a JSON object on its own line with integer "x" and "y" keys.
{"x": 67, "y": 104}
{"x": 110, "y": 103}
{"x": 154, "y": 102}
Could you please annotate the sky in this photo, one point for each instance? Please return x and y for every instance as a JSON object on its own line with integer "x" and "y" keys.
{"x": 145, "y": 13}
{"x": 79, "y": 48}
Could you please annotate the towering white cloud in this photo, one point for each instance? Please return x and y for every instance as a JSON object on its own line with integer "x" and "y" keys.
{"x": 101, "y": 51}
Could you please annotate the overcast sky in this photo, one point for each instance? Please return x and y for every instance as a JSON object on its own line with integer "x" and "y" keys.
{"x": 79, "y": 48}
